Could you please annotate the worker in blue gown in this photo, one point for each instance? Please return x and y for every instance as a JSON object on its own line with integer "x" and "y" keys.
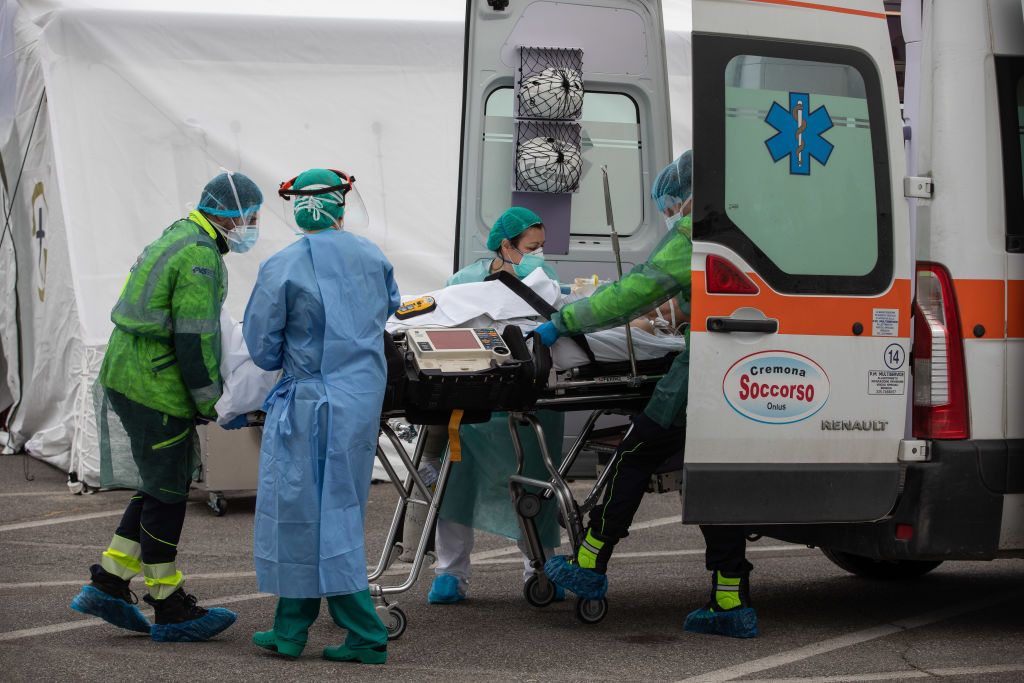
{"x": 477, "y": 495}
{"x": 317, "y": 311}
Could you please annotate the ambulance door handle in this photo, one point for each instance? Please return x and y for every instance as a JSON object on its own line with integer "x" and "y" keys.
{"x": 769, "y": 326}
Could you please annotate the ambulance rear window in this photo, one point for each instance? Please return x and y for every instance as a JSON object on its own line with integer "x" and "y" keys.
{"x": 792, "y": 166}
{"x": 611, "y": 135}
{"x": 1010, "y": 80}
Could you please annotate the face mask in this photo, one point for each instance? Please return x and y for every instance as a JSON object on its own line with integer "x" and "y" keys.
{"x": 670, "y": 222}
{"x": 528, "y": 263}
{"x": 242, "y": 239}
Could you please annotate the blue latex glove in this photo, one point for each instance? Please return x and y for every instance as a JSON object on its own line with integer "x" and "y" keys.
{"x": 236, "y": 422}
{"x": 548, "y": 333}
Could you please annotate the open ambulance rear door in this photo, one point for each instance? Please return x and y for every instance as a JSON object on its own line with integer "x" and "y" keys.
{"x": 623, "y": 124}
{"x": 799, "y": 368}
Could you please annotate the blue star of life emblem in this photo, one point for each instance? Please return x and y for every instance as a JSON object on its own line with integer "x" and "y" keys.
{"x": 799, "y": 133}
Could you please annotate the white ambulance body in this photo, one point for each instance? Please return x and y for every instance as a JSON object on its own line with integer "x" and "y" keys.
{"x": 825, "y": 406}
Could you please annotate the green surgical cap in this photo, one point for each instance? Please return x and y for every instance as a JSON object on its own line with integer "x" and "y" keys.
{"x": 318, "y": 212}
{"x": 510, "y": 225}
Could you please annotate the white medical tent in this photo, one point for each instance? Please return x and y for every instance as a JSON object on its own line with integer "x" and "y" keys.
{"x": 114, "y": 114}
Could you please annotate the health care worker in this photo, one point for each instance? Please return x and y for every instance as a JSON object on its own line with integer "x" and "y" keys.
{"x": 660, "y": 430}
{"x": 160, "y": 372}
{"x": 477, "y": 495}
{"x": 317, "y": 311}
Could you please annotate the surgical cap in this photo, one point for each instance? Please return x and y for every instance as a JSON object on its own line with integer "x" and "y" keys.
{"x": 320, "y": 211}
{"x": 218, "y": 198}
{"x": 510, "y": 225}
{"x": 674, "y": 184}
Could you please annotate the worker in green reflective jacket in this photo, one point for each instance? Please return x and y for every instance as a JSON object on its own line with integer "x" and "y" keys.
{"x": 659, "y": 431}
{"x": 160, "y": 373}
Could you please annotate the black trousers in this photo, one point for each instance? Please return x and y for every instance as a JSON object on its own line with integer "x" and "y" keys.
{"x": 646, "y": 446}
{"x": 154, "y": 525}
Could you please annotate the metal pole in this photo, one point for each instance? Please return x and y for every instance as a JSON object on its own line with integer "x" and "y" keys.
{"x": 618, "y": 262}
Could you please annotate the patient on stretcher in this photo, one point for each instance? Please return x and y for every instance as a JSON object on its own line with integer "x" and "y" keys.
{"x": 493, "y": 304}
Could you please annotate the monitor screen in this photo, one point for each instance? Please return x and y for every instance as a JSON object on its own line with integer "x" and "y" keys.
{"x": 449, "y": 340}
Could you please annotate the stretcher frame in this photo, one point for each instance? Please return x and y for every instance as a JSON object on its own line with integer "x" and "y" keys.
{"x": 538, "y": 590}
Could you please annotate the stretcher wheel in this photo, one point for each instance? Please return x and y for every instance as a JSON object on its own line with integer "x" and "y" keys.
{"x": 536, "y": 594}
{"x": 591, "y": 611}
{"x": 218, "y": 503}
{"x": 528, "y": 505}
{"x": 394, "y": 620}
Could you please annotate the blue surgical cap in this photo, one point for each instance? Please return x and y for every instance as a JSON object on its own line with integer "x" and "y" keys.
{"x": 218, "y": 199}
{"x": 511, "y": 224}
{"x": 674, "y": 184}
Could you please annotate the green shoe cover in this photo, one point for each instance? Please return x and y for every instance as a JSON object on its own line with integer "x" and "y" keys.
{"x": 343, "y": 653}
{"x": 268, "y": 640}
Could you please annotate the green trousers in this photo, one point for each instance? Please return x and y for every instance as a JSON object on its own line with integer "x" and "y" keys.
{"x": 354, "y": 612}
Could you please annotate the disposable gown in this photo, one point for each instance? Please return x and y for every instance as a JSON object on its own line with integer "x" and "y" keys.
{"x": 477, "y": 494}
{"x": 318, "y": 311}
{"x": 664, "y": 275}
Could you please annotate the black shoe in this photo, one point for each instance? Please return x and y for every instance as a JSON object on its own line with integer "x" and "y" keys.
{"x": 112, "y": 585}
{"x": 178, "y": 607}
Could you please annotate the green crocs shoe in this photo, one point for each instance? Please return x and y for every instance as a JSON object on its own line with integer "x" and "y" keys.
{"x": 268, "y": 640}
{"x": 343, "y": 653}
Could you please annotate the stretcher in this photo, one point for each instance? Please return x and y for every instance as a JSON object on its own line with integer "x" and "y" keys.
{"x": 520, "y": 385}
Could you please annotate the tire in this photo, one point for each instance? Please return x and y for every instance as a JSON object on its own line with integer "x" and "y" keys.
{"x": 591, "y": 611}
{"x": 395, "y": 621}
{"x": 880, "y": 570}
{"x": 528, "y": 505}
{"x": 536, "y": 595}
{"x": 221, "y": 507}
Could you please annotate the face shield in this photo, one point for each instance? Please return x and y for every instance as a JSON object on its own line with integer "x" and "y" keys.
{"x": 245, "y": 230}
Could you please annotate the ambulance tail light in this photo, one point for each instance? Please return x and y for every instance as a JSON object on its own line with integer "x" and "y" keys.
{"x": 940, "y": 375}
{"x": 725, "y": 278}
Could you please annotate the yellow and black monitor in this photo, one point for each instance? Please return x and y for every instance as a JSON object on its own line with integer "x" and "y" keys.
{"x": 415, "y": 307}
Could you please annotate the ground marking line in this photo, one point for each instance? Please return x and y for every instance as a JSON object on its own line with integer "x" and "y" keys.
{"x": 93, "y": 621}
{"x": 501, "y": 552}
{"x": 404, "y": 567}
{"x": 896, "y": 675}
{"x": 36, "y": 493}
{"x": 753, "y": 666}
{"x": 663, "y": 553}
{"x": 61, "y": 520}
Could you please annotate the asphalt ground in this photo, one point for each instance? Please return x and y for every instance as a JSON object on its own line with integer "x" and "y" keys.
{"x": 963, "y": 621}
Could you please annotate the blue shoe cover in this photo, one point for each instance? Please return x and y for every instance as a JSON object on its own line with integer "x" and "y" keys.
{"x": 205, "y": 627}
{"x": 445, "y": 590}
{"x": 112, "y": 610}
{"x": 586, "y": 583}
{"x": 737, "y": 623}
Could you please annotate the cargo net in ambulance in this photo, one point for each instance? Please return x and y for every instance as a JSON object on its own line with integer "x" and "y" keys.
{"x": 550, "y": 84}
{"x": 548, "y": 157}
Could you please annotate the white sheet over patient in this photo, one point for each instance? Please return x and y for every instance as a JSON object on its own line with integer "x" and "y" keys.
{"x": 492, "y": 304}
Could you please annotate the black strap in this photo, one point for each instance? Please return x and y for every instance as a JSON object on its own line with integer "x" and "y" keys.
{"x": 537, "y": 303}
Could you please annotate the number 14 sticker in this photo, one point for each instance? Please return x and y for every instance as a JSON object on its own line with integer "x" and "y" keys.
{"x": 895, "y": 356}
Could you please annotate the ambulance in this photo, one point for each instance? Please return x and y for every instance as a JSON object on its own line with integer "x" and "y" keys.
{"x": 857, "y": 322}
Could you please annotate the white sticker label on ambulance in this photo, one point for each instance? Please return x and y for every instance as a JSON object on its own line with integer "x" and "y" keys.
{"x": 885, "y": 322}
{"x": 776, "y": 387}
